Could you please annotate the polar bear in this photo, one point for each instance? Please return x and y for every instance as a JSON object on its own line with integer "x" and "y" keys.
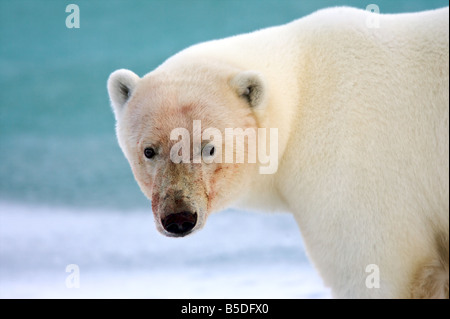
{"x": 361, "y": 112}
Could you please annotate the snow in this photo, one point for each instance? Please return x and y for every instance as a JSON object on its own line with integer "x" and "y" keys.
{"x": 121, "y": 255}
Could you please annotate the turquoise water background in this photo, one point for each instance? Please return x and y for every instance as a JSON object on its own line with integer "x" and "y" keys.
{"x": 57, "y": 140}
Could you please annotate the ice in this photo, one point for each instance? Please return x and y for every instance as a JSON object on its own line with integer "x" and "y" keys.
{"x": 121, "y": 255}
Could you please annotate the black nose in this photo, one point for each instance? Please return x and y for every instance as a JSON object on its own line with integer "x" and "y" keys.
{"x": 179, "y": 223}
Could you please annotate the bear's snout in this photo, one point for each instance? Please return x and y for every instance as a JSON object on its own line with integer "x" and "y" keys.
{"x": 179, "y": 224}
{"x": 176, "y": 215}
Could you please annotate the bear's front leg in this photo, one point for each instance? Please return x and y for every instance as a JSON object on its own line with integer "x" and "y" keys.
{"x": 363, "y": 255}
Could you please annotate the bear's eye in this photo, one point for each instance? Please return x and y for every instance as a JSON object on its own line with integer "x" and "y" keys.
{"x": 208, "y": 150}
{"x": 149, "y": 152}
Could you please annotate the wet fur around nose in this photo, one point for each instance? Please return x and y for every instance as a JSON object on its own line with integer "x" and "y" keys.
{"x": 180, "y": 188}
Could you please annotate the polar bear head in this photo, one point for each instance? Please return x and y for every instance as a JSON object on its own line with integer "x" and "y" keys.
{"x": 171, "y": 125}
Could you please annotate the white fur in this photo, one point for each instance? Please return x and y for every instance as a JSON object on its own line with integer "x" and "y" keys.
{"x": 362, "y": 115}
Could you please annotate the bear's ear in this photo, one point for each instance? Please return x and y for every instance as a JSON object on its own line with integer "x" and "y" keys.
{"x": 250, "y": 86}
{"x": 121, "y": 84}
